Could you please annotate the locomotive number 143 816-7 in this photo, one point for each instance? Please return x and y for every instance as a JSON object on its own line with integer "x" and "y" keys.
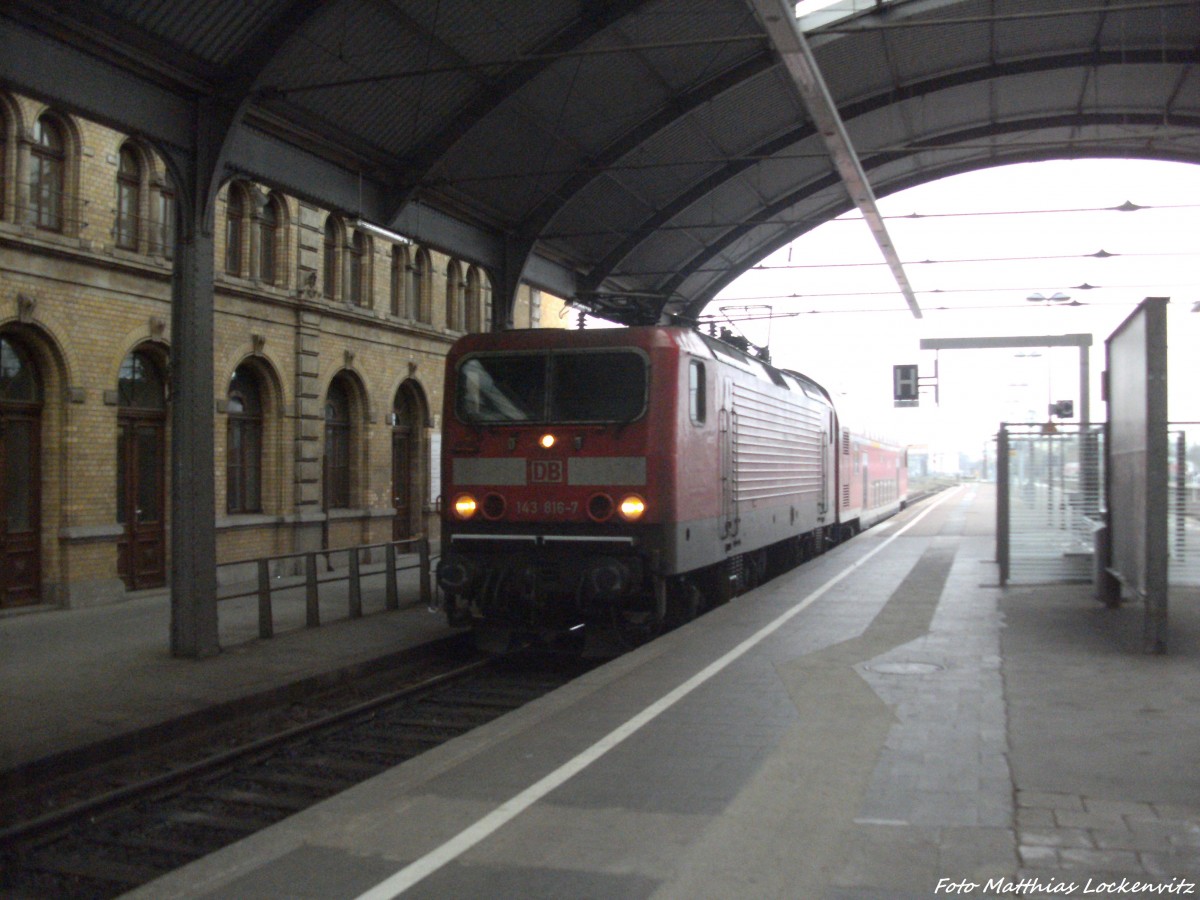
{"x": 547, "y": 507}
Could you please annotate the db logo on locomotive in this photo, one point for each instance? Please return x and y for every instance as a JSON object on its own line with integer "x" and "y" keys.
{"x": 545, "y": 471}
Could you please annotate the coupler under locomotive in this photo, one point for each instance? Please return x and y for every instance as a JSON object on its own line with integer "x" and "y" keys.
{"x": 539, "y": 595}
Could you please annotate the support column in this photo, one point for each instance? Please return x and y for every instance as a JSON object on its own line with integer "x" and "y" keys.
{"x": 193, "y": 489}
{"x": 1003, "y": 521}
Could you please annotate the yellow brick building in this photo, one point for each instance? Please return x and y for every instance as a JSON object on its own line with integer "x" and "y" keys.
{"x": 329, "y": 341}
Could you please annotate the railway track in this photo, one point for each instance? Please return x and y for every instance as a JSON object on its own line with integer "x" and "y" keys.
{"x": 125, "y": 836}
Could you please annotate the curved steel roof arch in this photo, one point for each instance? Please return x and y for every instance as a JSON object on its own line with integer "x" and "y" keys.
{"x": 691, "y": 311}
{"x": 631, "y": 155}
{"x": 1125, "y": 134}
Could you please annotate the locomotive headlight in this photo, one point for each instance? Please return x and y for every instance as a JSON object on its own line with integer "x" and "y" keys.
{"x": 632, "y": 508}
{"x": 546, "y": 441}
{"x": 465, "y": 506}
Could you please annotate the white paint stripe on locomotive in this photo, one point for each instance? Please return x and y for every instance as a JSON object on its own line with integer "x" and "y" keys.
{"x": 508, "y": 471}
{"x": 420, "y": 869}
{"x": 579, "y": 538}
{"x": 546, "y": 538}
{"x": 494, "y": 537}
{"x": 602, "y": 470}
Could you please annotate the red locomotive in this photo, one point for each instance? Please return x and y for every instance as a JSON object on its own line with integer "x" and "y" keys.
{"x": 627, "y": 479}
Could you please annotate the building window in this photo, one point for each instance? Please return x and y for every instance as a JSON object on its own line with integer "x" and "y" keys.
{"x": 485, "y": 303}
{"x": 235, "y": 218}
{"x": 166, "y": 221}
{"x": 140, "y": 385}
{"x": 455, "y": 297}
{"x": 268, "y": 241}
{"x": 399, "y": 280}
{"x": 535, "y": 308}
{"x": 330, "y": 274}
{"x": 3, "y": 162}
{"x": 129, "y": 199}
{"x": 358, "y": 265}
{"x": 337, "y": 446}
{"x": 473, "y": 300}
{"x": 19, "y": 382}
{"x": 243, "y": 465}
{"x": 421, "y": 288}
{"x": 48, "y": 162}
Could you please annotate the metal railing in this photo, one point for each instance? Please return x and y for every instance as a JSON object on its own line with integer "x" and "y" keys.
{"x": 353, "y": 574}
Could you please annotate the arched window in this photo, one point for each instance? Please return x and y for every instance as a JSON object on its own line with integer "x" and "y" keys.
{"x": 268, "y": 241}
{"x": 235, "y": 220}
{"x": 330, "y": 274}
{"x": 19, "y": 381}
{"x": 244, "y": 442}
{"x": 129, "y": 199}
{"x": 455, "y": 299}
{"x": 399, "y": 281}
{"x": 474, "y": 300}
{"x": 535, "y": 308}
{"x": 48, "y": 163}
{"x": 337, "y": 445}
{"x": 140, "y": 384}
{"x": 485, "y": 302}
{"x": 358, "y": 268}
{"x": 420, "y": 287}
{"x": 3, "y": 162}
{"x": 166, "y": 220}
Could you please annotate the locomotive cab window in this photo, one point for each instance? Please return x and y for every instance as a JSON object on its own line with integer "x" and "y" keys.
{"x": 608, "y": 386}
{"x": 497, "y": 388}
{"x": 697, "y": 401}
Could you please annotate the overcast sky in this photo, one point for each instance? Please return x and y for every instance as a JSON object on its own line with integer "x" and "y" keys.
{"x": 984, "y": 242}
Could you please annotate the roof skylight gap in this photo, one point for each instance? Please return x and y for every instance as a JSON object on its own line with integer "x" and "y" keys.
{"x": 815, "y": 14}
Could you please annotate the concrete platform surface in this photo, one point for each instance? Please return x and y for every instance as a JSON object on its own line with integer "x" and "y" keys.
{"x": 884, "y": 722}
{"x": 74, "y": 678}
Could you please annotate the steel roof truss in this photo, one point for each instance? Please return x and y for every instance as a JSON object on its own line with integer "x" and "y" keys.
{"x": 780, "y": 21}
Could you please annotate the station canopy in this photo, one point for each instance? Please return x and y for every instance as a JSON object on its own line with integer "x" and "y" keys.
{"x": 632, "y": 156}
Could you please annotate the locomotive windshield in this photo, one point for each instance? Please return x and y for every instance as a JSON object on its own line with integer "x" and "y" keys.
{"x": 605, "y": 386}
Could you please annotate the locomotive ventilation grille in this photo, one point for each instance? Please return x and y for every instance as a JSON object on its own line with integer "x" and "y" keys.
{"x": 777, "y": 445}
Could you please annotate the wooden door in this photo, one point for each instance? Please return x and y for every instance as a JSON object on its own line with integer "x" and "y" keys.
{"x": 20, "y": 513}
{"x": 141, "y": 551}
{"x": 403, "y": 466}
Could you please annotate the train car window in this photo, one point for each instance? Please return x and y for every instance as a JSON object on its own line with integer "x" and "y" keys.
{"x": 697, "y": 393}
{"x": 502, "y": 388}
{"x": 597, "y": 387}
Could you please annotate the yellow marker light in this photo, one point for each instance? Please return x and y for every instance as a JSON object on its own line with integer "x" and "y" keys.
{"x": 465, "y": 506}
{"x": 546, "y": 441}
{"x": 632, "y": 508}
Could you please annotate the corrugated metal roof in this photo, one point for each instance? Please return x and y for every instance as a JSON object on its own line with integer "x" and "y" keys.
{"x": 653, "y": 145}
